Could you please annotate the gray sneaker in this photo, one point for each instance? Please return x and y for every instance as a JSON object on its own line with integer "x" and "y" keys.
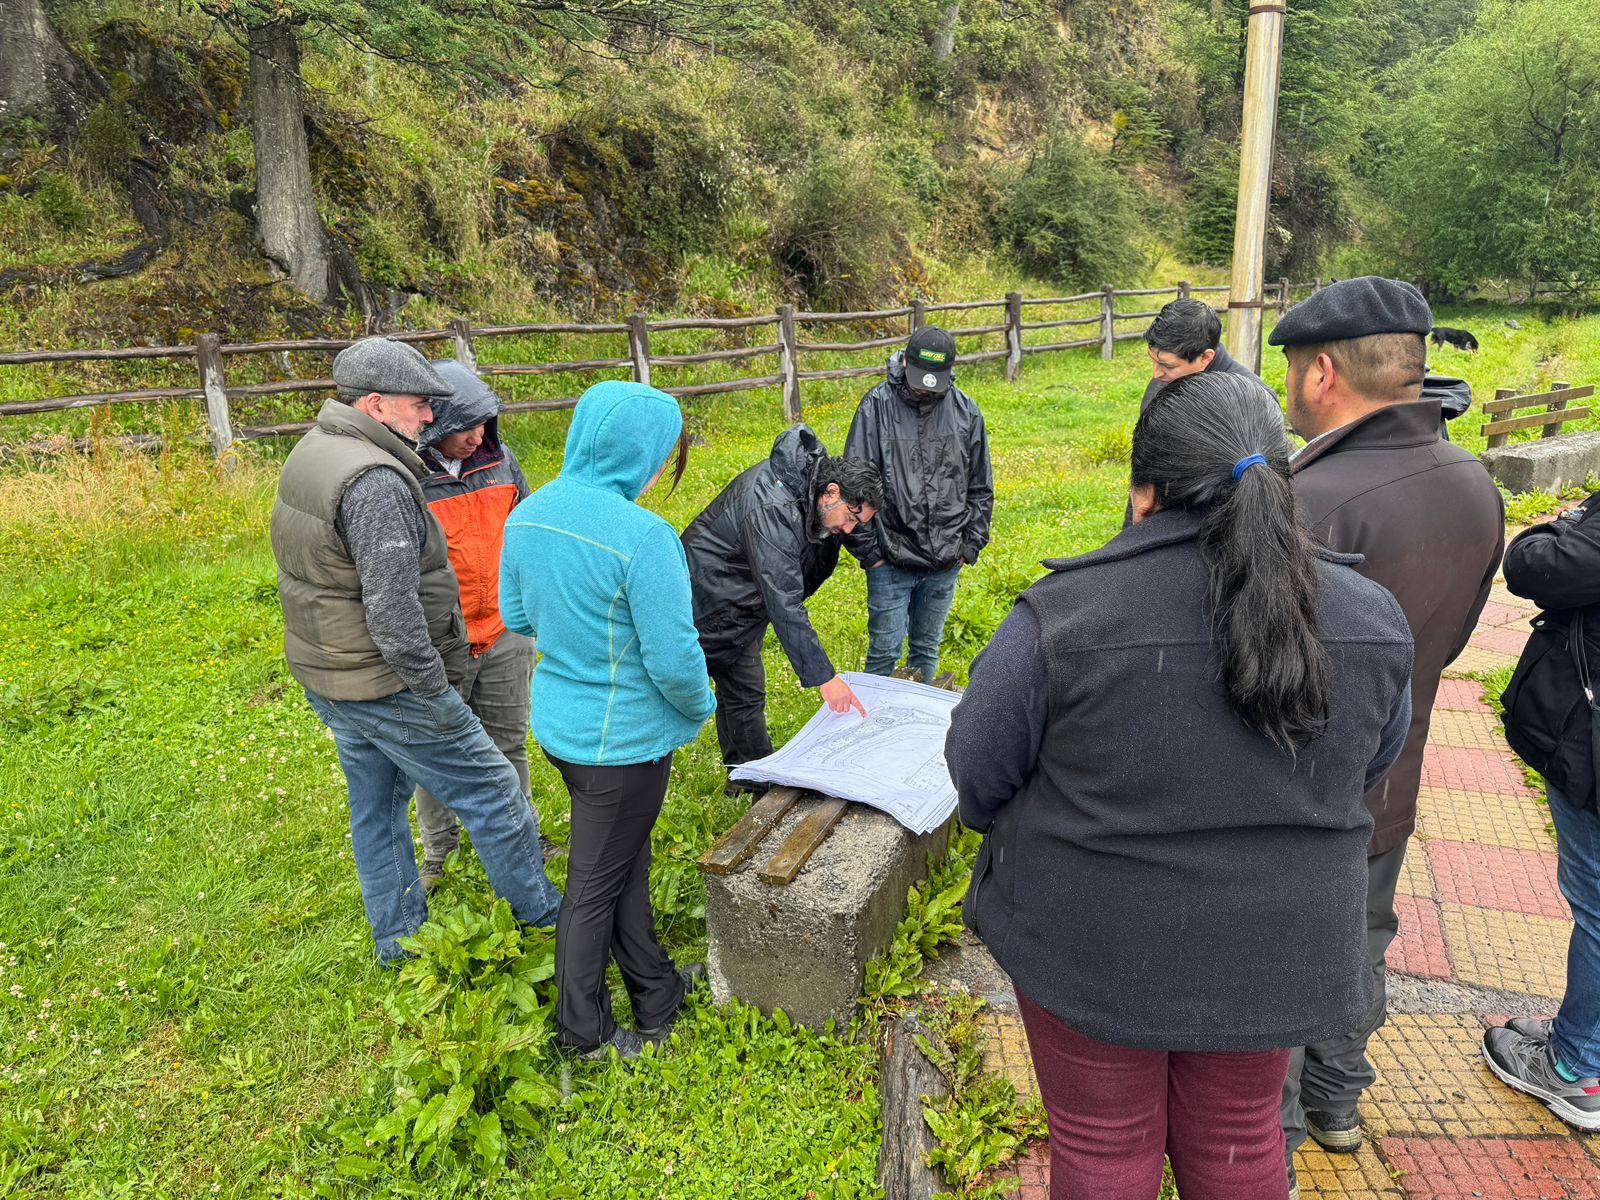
{"x": 1528, "y": 1064}
{"x": 1534, "y": 1027}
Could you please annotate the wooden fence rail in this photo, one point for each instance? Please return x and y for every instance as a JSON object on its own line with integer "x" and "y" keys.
{"x": 209, "y": 353}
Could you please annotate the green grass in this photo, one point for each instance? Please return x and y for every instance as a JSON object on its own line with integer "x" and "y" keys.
{"x": 188, "y": 997}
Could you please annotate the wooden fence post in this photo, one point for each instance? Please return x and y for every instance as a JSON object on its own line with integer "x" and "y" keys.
{"x": 919, "y": 314}
{"x": 1283, "y": 296}
{"x": 1316, "y": 284}
{"x": 1013, "y": 336}
{"x": 1108, "y": 327}
{"x": 1183, "y": 289}
{"x": 1499, "y": 439}
{"x": 1555, "y": 406}
{"x": 639, "y": 347}
{"x": 461, "y": 331}
{"x": 788, "y": 364}
{"x": 208, "y": 353}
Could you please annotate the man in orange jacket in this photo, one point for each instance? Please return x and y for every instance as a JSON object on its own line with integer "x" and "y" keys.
{"x": 473, "y": 483}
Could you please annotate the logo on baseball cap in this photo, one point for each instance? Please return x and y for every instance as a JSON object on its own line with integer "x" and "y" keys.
{"x": 929, "y": 358}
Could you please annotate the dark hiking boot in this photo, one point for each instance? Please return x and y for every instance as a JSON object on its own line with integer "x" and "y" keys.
{"x": 1529, "y": 1065}
{"x": 656, "y": 1034}
{"x": 1336, "y": 1132}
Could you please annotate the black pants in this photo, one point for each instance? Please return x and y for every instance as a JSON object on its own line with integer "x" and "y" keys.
{"x": 742, "y": 707}
{"x": 606, "y": 913}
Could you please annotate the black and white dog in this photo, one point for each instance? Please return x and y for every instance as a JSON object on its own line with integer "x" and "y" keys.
{"x": 1459, "y": 338}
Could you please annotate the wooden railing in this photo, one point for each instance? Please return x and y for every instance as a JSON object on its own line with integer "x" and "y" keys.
{"x": 210, "y": 354}
{"x": 1555, "y": 414}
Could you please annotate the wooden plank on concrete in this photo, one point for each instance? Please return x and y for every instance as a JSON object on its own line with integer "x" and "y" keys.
{"x": 819, "y": 820}
{"x": 741, "y": 840}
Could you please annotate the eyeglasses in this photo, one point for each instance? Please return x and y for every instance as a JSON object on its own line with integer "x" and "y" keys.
{"x": 854, "y": 512}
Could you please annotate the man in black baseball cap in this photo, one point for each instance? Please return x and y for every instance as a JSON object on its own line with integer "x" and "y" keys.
{"x": 1376, "y": 479}
{"x": 927, "y": 439}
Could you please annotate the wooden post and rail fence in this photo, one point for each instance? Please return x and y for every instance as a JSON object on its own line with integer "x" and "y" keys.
{"x": 210, "y": 355}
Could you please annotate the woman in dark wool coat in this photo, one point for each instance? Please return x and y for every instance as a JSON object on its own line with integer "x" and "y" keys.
{"x": 1164, "y": 742}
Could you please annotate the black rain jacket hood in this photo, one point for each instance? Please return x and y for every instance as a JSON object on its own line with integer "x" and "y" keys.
{"x": 757, "y": 552}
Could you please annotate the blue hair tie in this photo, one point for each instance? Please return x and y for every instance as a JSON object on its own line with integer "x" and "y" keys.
{"x": 1244, "y": 464}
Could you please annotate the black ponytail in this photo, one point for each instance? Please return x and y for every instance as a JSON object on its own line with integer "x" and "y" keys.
{"x": 1263, "y": 590}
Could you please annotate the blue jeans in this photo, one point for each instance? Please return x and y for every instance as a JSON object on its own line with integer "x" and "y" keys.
{"x": 902, "y": 604}
{"x": 389, "y": 746}
{"x": 1577, "y": 1029}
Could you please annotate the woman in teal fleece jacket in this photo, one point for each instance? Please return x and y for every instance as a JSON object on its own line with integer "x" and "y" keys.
{"x": 603, "y": 586}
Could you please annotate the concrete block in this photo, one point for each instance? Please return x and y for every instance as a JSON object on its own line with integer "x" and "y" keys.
{"x": 1547, "y": 465}
{"x": 803, "y": 946}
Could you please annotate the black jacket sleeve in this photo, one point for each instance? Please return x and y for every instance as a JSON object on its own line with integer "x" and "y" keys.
{"x": 993, "y": 744}
{"x": 772, "y": 548}
{"x": 1557, "y": 564}
{"x": 980, "y": 491}
{"x": 864, "y": 441}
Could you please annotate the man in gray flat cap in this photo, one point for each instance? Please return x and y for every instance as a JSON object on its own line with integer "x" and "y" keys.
{"x": 373, "y": 631}
{"x": 1376, "y": 479}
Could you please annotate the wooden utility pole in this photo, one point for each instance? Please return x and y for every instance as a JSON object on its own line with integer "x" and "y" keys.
{"x": 1245, "y": 300}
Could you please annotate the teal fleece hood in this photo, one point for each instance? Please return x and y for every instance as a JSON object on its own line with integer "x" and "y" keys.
{"x": 621, "y": 434}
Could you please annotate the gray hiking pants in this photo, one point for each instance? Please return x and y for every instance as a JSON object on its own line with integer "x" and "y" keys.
{"x": 496, "y": 689}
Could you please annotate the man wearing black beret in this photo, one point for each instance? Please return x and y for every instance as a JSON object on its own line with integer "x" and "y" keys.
{"x": 1376, "y": 479}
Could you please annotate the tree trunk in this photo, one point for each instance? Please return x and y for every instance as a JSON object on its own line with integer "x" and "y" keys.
{"x": 39, "y": 76}
{"x": 944, "y": 29}
{"x": 287, "y": 222}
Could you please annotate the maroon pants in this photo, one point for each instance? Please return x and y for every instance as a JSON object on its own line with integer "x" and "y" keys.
{"x": 1114, "y": 1113}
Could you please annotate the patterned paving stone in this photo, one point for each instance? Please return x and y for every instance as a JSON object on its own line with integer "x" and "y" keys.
{"x": 1457, "y": 769}
{"x": 1505, "y": 1169}
{"x": 1509, "y": 950}
{"x": 1420, "y": 947}
{"x": 1462, "y": 816}
{"x": 1505, "y": 641}
{"x": 1005, "y": 1049}
{"x": 1475, "y": 729}
{"x": 1506, "y": 616}
{"x": 1432, "y": 1083}
{"x": 1415, "y": 879}
{"x": 1032, "y": 1173}
{"x": 1361, "y": 1174}
{"x": 1475, "y": 660}
{"x": 1459, "y": 694}
{"x": 1497, "y": 877}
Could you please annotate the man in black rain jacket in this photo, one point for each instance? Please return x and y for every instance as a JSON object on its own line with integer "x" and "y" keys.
{"x": 764, "y": 545}
{"x": 927, "y": 438}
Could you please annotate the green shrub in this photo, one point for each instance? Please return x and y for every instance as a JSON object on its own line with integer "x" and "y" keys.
{"x": 1208, "y": 232}
{"x": 60, "y": 199}
{"x": 842, "y": 228}
{"x": 473, "y": 1019}
{"x": 662, "y": 165}
{"x": 107, "y": 140}
{"x": 1073, "y": 218}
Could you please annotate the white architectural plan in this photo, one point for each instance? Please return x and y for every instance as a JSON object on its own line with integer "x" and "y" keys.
{"x": 892, "y": 759}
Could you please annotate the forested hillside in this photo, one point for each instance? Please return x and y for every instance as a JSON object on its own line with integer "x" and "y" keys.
{"x": 257, "y": 166}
